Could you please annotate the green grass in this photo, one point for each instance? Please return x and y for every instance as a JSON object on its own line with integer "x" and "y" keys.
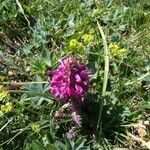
{"x": 35, "y": 35}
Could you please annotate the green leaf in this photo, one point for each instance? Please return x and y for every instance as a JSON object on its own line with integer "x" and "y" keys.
{"x": 46, "y": 57}
{"x": 49, "y": 138}
{"x": 51, "y": 147}
{"x": 37, "y": 146}
{"x": 38, "y": 92}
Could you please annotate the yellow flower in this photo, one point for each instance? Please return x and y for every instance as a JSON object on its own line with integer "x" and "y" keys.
{"x": 35, "y": 127}
{"x": 3, "y": 93}
{"x": 113, "y": 46}
{"x": 88, "y": 39}
{"x": 7, "y": 107}
{"x": 75, "y": 45}
{"x": 117, "y": 51}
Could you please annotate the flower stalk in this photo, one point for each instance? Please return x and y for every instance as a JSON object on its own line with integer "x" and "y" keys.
{"x": 105, "y": 80}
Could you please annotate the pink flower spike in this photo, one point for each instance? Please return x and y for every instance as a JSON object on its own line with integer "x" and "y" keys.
{"x": 71, "y": 134}
{"x": 68, "y": 80}
{"x": 77, "y": 119}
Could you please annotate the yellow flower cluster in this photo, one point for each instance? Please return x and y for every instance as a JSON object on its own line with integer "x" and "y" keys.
{"x": 75, "y": 45}
{"x": 88, "y": 38}
{"x": 79, "y": 45}
{"x": 35, "y": 127}
{"x": 117, "y": 51}
{"x": 5, "y": 108}
{"x": 3, "y": 93}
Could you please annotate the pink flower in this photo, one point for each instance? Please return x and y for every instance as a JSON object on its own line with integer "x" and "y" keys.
{"x": 71, "y": 134}
{"x": 70, "y": 80}
{"x": 76, "y": 118}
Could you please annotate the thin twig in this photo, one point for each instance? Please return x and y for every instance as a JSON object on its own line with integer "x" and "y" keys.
{"x": 6, "y": 124}
{"x": 21, "y": 131}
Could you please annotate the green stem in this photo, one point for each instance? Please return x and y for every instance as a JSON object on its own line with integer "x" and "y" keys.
{"x": 105, "y": 80}
{"x": 25, "y": 83}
